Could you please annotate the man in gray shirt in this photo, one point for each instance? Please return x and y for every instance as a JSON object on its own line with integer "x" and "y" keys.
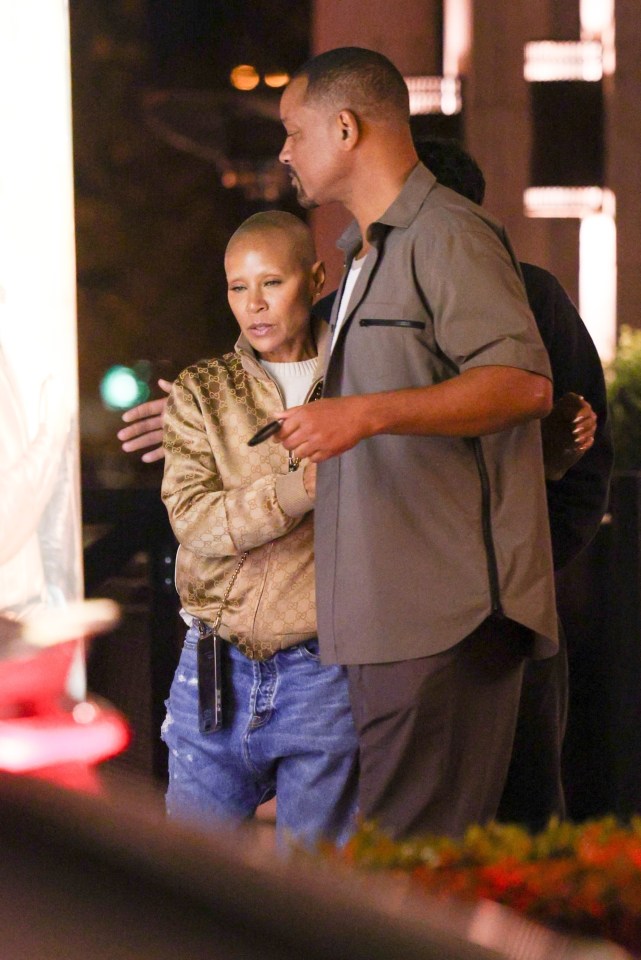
{"x": 434, "y": 570}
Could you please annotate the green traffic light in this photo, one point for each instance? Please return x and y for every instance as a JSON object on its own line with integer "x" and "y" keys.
{"x": 121, "y": 388}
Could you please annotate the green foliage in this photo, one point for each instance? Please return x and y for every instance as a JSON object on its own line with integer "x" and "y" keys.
{"x": 373, "y": 849}
{"x": 624, "y": 397}
{"x": 584, "y": 879}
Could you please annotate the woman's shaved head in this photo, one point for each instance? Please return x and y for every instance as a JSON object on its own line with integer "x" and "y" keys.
{"x": 298, "y": 234}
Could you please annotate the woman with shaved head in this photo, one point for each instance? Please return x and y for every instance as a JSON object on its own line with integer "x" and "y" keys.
{"x": 245, "y": 569}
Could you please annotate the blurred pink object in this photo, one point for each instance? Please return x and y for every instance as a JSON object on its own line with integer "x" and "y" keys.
{"x": 44, "y": 732}
{"x": 34, "y": 682}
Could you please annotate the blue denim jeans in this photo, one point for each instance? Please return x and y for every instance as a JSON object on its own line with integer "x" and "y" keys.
{"x": 287, "y": 731}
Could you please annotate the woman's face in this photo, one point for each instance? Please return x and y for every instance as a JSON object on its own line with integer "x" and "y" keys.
{"x": 270, "y": 292}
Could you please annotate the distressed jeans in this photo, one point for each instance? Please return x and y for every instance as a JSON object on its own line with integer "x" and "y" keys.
{"x": 287, "y": 731}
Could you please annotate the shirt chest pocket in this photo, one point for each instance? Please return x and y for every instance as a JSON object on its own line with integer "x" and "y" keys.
{"x": 389, "y": 315}
{"x": 389, "y": 347}
{"x": 382, "y": 322}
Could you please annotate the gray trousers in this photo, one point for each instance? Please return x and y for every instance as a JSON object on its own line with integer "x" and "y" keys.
{"x": 436, "y": 733}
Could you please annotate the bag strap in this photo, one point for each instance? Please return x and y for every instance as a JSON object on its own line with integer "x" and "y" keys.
{"x": 219, "y": 615}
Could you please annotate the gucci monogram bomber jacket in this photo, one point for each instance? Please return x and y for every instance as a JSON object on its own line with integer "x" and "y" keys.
{"x": 225, "y": 499}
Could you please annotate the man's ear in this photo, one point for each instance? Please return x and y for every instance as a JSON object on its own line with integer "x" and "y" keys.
{"x": 348, "y": 129}
{"x": 318, "y": 278}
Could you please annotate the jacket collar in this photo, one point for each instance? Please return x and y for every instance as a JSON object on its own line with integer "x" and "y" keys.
{"x": 251, "y": 362}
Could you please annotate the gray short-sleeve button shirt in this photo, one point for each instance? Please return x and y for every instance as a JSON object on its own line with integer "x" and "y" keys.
{"x": 419, "y": 539}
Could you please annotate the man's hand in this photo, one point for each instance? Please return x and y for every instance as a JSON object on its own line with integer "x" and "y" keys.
{"x": 567, "y": 433}
{"x": 323, "y": 429}
{"x": 146, "y": 427}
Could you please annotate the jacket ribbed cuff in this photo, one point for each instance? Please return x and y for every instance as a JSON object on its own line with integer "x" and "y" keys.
{"x": 292, "y": 495}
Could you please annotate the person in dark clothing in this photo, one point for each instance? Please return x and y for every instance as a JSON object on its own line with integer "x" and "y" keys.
{"x": 578, "y": 500}
{"x": 576, "y": 504}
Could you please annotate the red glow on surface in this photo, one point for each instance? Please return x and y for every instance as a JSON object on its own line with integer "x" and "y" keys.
{"x": 32, "y": 743}
{"x": 71, "y": 776}
{"x": 34, "y": 683}
{"x": 44, "y": 731}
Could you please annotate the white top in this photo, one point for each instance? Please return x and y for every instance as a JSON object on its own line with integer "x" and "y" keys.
{"x": 348, "y": 289}
{"x": 294, "y": 379}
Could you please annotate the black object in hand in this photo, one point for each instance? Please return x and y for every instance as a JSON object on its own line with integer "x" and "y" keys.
{"x": 265, "y": 432}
